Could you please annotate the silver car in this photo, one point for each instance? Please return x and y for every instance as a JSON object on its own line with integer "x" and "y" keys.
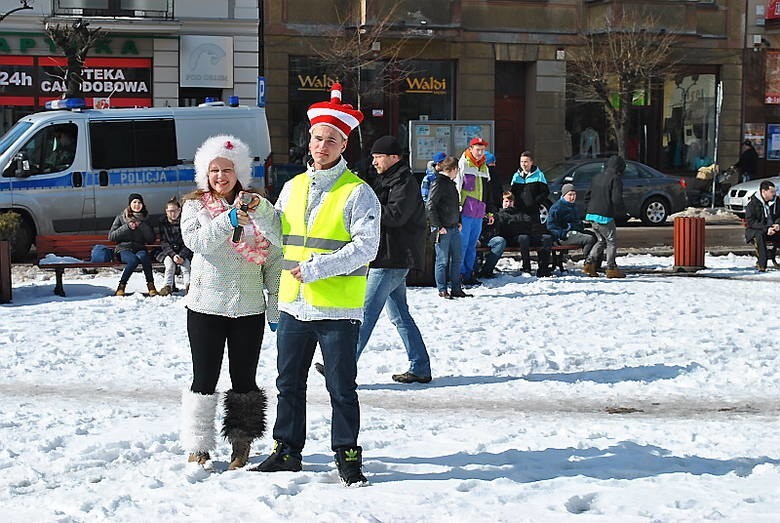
{"x": 738, "y": 196}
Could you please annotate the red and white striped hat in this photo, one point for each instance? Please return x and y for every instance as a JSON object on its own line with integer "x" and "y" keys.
{"x": 341, "y": 117}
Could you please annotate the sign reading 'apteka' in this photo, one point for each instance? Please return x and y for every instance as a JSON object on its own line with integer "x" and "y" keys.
{"x": 33, "y": 80}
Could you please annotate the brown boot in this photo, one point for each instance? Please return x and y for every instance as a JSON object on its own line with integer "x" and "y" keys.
{"x": 240, "y": 454}
{"x": 615, "y": 273}
{"x": 152, "y": 290}
{"x": 201, "y": 458}
{"x": 589, "y": 269}
{"x": 165, "y": 291}
{"x": 120, "y": 290}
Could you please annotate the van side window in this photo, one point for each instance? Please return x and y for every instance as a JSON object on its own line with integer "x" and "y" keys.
{"x": 51, "y": 150}
{"x": 131, "y": 144}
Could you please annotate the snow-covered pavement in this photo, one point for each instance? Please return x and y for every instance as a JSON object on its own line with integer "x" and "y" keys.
{"x": 652, "y": 398}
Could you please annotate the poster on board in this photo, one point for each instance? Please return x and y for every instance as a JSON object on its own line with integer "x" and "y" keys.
{"x": 428, "y": 137}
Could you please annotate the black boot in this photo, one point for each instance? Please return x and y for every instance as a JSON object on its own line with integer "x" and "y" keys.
{"x": 349, "y": 461}
{"x": 244, "y": 422}
{"x": 282, "y": 459}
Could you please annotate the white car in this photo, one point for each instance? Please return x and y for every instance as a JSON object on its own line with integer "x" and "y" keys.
{"x": 739, "y": 195}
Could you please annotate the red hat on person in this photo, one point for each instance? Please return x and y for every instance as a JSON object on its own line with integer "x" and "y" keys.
{"x": 342, "y": 117}
{"x": 478, "y": 141}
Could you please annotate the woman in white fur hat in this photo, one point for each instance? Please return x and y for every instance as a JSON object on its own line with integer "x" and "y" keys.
{"x": 226, "y": 302}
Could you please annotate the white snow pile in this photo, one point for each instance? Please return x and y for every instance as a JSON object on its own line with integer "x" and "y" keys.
{"x": 653, "y": 398}
{"x": 710, "y": 214}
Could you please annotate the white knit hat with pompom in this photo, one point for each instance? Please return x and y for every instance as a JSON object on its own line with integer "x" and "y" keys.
{"x": 228, "y": 147}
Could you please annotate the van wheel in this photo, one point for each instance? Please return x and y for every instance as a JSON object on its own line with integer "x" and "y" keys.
{"x": 22, "y": 242}
{"x": 654, "y": 211}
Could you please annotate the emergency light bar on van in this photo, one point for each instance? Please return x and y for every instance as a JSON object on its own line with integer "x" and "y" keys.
{"x": 66, "y": 103}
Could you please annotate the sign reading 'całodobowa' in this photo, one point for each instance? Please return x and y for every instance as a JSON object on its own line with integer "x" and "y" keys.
{"x": 33, "y": 80}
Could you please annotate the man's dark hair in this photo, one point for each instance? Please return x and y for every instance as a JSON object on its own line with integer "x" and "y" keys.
{"x": 766, "y": 184}
{"x": 528, "y": 154}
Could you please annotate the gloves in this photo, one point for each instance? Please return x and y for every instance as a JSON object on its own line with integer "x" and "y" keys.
{"x": 273, "y": 326}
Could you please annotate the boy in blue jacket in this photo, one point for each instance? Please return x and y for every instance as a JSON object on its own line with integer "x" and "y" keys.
{"x": 565, "y": 224}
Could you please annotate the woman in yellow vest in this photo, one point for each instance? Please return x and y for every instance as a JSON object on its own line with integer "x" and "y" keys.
{"x": 330, "y": 232}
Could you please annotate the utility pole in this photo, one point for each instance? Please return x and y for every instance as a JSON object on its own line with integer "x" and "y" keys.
{"x": 260, "y": 38}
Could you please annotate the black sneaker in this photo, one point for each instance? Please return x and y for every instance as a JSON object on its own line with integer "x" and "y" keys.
{"x": 282, "y": 459}
{"x": 460, "y": 294}
{"x": 408, "y": 377}
{"x": 349, "y": 462}
{"x": 319, "y": 367}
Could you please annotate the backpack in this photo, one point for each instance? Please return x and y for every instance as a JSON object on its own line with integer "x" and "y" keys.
{"x": 102, "y": 254}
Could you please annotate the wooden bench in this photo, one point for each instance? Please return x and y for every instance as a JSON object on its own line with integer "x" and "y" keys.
{"x": 772, "y": 243}
{"x": 77, "y": 246}
{"x": 558, "y": 253}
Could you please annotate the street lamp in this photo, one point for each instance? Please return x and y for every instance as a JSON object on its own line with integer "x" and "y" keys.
{"x": 25, "y": 5}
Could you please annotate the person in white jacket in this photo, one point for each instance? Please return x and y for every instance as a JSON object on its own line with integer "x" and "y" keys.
{"x": 234, "y": 287}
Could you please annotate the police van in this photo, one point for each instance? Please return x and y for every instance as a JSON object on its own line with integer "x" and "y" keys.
{"x": 71, "y": 169}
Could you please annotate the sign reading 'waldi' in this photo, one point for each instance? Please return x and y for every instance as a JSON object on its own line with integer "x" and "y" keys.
{"x": 410, "y": 85}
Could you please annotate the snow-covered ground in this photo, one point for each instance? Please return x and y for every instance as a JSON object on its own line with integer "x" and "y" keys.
{"x": 653, "y": 398}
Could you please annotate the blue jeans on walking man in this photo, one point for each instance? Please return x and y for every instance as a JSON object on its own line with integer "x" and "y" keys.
{"x": 296, "y": 341}
{"x": 386, "y": 289}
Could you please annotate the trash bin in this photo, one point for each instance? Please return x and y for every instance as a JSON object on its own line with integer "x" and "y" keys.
{"x": 688, "y": 244}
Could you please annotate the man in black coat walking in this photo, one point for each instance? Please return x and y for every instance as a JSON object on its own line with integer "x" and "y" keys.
{"x": 401, "y": 247}
{"x": 762, "y": 215}
{"x": 604, "y": 201}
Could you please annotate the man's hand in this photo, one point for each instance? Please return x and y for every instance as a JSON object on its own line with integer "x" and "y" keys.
{"x": 178, "y": 259}
{"x": 296, "y": 273}
{"x": 491, "y": 219}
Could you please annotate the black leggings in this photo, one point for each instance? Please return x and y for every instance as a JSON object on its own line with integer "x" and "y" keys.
{"x": 208, "y": 333}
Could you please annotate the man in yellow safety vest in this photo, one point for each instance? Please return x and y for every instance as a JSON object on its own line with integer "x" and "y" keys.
{"x": 330, "y": 232}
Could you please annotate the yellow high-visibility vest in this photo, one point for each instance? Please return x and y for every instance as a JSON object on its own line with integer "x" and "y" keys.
{"x": 327, "y": 234}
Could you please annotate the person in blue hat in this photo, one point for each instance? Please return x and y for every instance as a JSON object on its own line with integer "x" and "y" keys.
{"x": 430, "y": 174}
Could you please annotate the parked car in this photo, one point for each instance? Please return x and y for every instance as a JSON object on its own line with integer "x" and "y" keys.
{"x": 739, "y": 195}
{"x": 649, "y": 194}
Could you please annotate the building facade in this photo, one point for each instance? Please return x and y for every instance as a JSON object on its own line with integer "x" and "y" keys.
{"x": 506, "y": 61}
{"x": 503, "y": 61}
{"x": 156, "y": 53}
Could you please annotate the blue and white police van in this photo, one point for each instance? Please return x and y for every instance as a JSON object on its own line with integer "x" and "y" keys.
{"x": 70, "y": 170}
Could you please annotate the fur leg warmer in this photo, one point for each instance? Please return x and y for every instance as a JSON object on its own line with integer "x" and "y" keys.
{"x": 197, "y": 432}
{"x": 244, "y": 415}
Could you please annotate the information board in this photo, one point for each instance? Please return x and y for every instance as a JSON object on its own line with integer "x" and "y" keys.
{"x": 428, "y": 137}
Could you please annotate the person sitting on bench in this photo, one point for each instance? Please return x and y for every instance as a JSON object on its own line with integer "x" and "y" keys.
{"x": 762, "y": 215}
{"x": 565, "y": 224}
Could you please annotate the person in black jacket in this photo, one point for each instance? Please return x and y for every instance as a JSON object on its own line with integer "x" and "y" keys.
{"x": 173, "y": 253}
{"x": 401, "y": 247}
{"x": 748, "y": 161}
{"x": 762, "y": 215}
{"x": 604, "y": 203}
{"x": 132, "y": 231}
{"x": 443, "y": 208}
{"x": 530, "y": 190}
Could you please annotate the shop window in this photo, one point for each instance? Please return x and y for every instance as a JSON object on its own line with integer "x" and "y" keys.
{"x": 688, "y": 132}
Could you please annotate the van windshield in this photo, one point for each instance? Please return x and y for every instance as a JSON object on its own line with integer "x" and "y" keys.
{"x": 13, "y": 134}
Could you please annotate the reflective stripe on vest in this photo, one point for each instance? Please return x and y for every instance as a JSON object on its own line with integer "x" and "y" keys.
{"x": 328, "y": 233}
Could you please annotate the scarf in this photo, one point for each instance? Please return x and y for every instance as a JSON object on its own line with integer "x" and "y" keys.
{"x": 253, "y": 246}
{"x": 479, "y": 163}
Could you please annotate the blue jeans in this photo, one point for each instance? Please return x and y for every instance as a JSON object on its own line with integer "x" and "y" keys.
{"x": 132, "y": 259}
{"x": 472, "y": 228}
{"x": 388, "y": 287}
{"x": 295, "y": 342}
{"x": 448, "y": 259}
{"x": 497, "y": 245}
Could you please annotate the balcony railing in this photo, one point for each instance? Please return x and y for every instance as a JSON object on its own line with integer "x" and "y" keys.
{"x": 156, "y": 9}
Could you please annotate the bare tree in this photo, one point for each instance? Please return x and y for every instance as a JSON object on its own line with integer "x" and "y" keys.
{"x": 75, "y": 41}
{"x": 380, "y": 47}
{"x": 624, "y": 58}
